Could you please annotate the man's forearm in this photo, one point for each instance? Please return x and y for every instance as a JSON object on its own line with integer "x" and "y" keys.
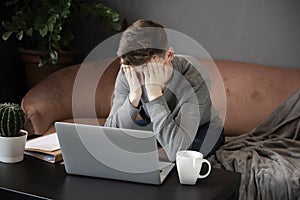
{"x": 134, "y": 100}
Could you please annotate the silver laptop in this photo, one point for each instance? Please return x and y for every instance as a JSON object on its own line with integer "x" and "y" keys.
{"x": 113, "y": 153}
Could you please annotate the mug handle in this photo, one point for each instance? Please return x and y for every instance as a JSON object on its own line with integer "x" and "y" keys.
{"x": 208, "y": 171}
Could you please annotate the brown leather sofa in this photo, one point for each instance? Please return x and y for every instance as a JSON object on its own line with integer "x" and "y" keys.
{"x": 253, "y": 92}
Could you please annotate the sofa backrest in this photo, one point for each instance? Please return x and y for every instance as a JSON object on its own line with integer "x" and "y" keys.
{"x": 252, "y": 91}
{"x": 51, "y": 99}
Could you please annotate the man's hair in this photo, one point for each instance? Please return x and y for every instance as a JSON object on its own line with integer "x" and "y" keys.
{"x": 141, "y": 41}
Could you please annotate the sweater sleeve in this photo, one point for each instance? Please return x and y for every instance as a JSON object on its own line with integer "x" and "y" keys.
{"x": 176, "y": 129}
{"x": 122, "y": 114}
{"x": 177, "y": 133}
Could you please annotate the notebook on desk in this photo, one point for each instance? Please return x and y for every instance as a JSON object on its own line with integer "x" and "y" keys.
{"x": 112, "y": 153}
{"x": 44, "y": 147}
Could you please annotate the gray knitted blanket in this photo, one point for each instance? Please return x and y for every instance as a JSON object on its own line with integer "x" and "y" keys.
{"x": 268, "y": 157}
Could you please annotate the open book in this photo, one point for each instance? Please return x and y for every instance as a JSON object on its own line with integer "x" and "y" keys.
{"x": 45, "y": 147}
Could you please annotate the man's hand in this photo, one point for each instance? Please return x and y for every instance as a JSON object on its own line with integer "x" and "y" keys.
{"x": 156, "y": 75}
{"x": 134, "y": 85}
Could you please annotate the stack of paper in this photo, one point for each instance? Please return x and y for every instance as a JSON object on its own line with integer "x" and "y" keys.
{"x": 45, "y": 147}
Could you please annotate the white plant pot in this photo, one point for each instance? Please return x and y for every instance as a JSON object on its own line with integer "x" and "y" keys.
{"x": 12, "y": 148}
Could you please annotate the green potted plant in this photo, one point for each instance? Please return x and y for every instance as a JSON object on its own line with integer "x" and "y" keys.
{"x": 12, "y": 137}
{"x": 45, "y": 29}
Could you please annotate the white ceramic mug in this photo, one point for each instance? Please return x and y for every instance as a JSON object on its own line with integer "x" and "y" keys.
{"x": 189, "y": 165}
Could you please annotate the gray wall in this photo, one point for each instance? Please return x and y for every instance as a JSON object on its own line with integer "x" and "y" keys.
{"x": 254, "y": 31}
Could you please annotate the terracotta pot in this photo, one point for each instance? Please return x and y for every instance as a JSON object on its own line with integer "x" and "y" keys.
{"x": 34, "y": 73}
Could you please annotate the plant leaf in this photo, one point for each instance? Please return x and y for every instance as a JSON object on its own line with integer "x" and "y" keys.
{"x": 53, "y": 62}
{"x": 115, "y": 17}
{"x": 50, "y": 27}
{"x": 29, "y": 32}
{"x": 53, "y": 55}
{"x": 65, "y": 13}
{"x": 19, "y": 35}
{"x": 43, "y": 61}
{"x": 115, "y": 26}
{"x": 56, "y": 37}
{"x": 43, "y": 31}
{"x": 6, "y": 35}
{"x": 55, "y": 45}
{"x": 57, "y": 29}
{"x": 18, "y": 21}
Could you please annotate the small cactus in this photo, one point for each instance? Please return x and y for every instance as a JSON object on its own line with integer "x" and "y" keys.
{"x": 11, "y": 119}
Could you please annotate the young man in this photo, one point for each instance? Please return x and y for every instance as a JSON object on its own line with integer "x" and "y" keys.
{"x": 164, "y": 91}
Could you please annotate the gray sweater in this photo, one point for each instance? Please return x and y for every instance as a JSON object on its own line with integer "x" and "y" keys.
{"x": 175, "y": 116}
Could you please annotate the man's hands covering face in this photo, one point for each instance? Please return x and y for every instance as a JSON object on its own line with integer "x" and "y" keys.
{"x": 134, "y": 85}
{"x": 156, "y": 73}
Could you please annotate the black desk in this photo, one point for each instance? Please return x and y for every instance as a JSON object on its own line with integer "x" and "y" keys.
{"x": 36, "y": 179}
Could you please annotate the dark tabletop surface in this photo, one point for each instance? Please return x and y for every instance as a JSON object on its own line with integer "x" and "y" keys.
{"x": 33, "y": 178}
